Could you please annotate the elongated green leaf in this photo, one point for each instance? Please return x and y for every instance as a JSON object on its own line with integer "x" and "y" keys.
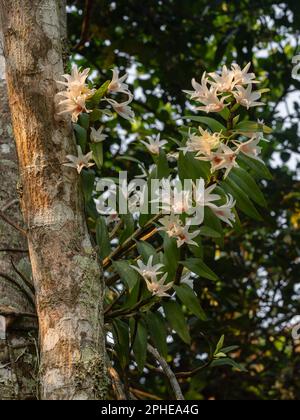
{"x": 176, "y": 320}
{"x": 259, "y": 169}
{"x": 97, "y": 149}
{"x": 99, "y": 94}
{"x": 129, "y": 158}
{"x": 84, "y": 120}
{"x": 128, "y": 274}
{"x": 102, "y": 238}
{"x": 95, "y": 115}
{"x": 128, "y": 227}
{"x": 190, "y": 300}
{"x": 146, "y": 250}
{"x": 140, "y": 346}
{"x": 171, "y": 256}
{"x": 228, "y": 362}
{"x": 163, "y": 170}
{"x": 213, "y": 124}
{"x": 207, "y": 231}
{"x": 81, "y": 136}
{"x": 252, "y": 126}
{"x": 242, "y": 200}
{"x": 245, "y": 181}
{"x": 87, "y": 181}
{"x": 197, "y": 266}
{"x": 191, "y": 168}
{"x": 121, "y": 338}
{"x": 220, "y": 344}
{"x": 158, "y": 332}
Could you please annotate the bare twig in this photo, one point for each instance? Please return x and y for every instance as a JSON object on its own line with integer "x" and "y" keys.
{"x": 25, "y": 280}
{"x": 14, "y": 250}
{"x": 13, "y": 224}
{"x": 142, "y": 394}
{"x": 109, "y": 307}
{"x": 9, "y": 204}
{"x": 15, "y": 283}
{"x": 116, "y": 383}
{"x": 168, "y": 372}
{"x": 129, "y": 243}
{"x": 115, "y": 230}
{"x": 85, "y": 25}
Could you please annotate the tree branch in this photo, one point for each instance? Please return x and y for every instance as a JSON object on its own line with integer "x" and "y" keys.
{"x": 168, "y": 372}
{"x": 13, "y": 224}
{"x": 116, "y": 383}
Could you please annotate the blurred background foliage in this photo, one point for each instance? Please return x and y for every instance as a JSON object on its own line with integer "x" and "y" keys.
{"x": 163, "y": 44}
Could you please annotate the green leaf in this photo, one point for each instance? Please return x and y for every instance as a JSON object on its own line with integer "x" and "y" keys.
{"x": 102, "y": 238}
{"x": 121, "y": 339}
{"x": 128, "y": 227}
{"x": 197, "y": 266}
{"x": 171, "y": 256}
{"x": 242, "y": 200}
{"x": 229, "y": 349}
{"x": 225, "y": 114}
{"x": 213, "y": 124}
{"x": 84, "y": 121}
{"x": 87, "y": 182}
{"x": 252, "y": 126}
{"x": 99, "y": 94}
{"x": 95, "y": 115}
{"x": 245, "y": 181}
{"x": 176, "y": 320}
{"x": 140, "y": 346}
{"x": 128, "y": 274}
{"x": 258, "y": 168}
{"x": 158, "y": 332}
{"x": 129, "y": 158}
{"x": 97, "y": 149}
{"x": 163, "y": 170}
{"x": 81, "y": 136}
{"x": 146, "y": 250}
{"x": 220, "y": 344}
{"x": 207, "y": 231}
{"x": 228, "y": 362}
{"x": 191, "y": 168}
{"x": 190, "y": 300}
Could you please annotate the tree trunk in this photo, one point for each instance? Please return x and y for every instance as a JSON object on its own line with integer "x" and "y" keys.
{"x": 67, "y": 277}
{"x": 17, "y": 332}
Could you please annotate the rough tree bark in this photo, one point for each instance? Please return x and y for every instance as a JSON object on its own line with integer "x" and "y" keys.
{"x": 18, "y": 333}
{"x": 67, "y": 277}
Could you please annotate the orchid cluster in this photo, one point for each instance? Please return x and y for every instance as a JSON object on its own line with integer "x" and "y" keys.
{"x": 223, "y": 93}
{"x": 216, "y": 88}
{"x": 78, "y": 98}
{"x": 195, "y": 201}
{"x": 218, "y": 149}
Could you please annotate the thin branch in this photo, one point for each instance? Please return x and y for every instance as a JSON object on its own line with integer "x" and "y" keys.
{"x": 115, "y": 230}
{"x": 14, "y": 250}
{"x": 193, "y": 372}
{"x": 25, "y": 280}
{"x": 13, "y": 224}
{"x": 9, "y": 312}
{"x": 142, "y": 394}
{"x": 168, "y": 372}
{"x": 109, "y": 307}
{"x": 128, "y": 243}
{"x": 116, "y": 383}
{"x": 134, "y": 309}
{"x": 9, "y": 204}
{"x": 85, "y": 25}
{"x": 15, "y": 283}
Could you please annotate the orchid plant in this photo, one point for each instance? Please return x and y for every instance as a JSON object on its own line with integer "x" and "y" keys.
{"x": 151, "y": 261}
